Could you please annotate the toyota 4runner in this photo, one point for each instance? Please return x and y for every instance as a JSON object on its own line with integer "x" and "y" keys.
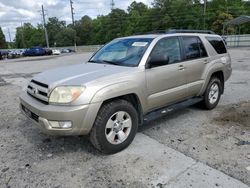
{"x": 127, "y": 82}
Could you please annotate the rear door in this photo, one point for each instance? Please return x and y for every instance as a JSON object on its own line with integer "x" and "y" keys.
{"x": 196, "y": 59}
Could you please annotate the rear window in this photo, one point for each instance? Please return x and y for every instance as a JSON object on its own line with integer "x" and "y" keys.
{"x": 218, "y": 44}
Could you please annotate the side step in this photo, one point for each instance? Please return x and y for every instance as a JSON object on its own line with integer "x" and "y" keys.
{"x": 168, "y": 109}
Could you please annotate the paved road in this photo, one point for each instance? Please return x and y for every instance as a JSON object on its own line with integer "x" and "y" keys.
{"x": 190, "y": 148}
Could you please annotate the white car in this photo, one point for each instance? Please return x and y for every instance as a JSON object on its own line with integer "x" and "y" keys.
{"x": 56, "y": 52}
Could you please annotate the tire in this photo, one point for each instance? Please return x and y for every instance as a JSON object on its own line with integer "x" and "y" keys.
{"x": 211, "y": 99}
{"x": 115, "y": 126}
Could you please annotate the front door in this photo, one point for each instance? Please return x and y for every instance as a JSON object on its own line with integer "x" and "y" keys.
{"x": 166, "y": 84}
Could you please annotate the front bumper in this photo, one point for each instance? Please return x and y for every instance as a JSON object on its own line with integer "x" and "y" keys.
{"x": 82, "y": 117}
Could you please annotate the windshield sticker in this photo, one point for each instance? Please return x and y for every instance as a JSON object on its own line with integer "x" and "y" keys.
{"x": 140, "y": 44}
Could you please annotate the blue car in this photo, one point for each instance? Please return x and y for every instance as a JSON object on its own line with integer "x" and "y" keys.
{"x": 34, "y": 51}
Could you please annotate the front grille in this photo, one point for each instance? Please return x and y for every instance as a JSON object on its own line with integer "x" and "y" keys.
{"x": 38, "y": 91}
{"x": 34, "y": 116}
{"x": 40, "y": 84}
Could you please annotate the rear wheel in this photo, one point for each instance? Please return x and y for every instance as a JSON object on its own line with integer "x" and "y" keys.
{"x": 115, "y": 126}
{"x": 212, "y": 94}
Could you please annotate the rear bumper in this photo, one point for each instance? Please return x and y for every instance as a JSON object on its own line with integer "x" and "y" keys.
{"x": 82, "y": 117}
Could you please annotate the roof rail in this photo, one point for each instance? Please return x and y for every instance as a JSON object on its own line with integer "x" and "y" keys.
{"x": 173, "y": 31}
{"x": 189, "y": 31}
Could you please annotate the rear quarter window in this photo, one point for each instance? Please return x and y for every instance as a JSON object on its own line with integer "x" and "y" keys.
{"x": 218, "y": 44}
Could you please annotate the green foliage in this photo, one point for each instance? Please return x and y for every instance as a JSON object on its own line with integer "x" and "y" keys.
{"x": 139, "y": 18}
{"x": 217, "y": 25}
{"x": 3, "y": 43}
{"x": 28, "y": 36}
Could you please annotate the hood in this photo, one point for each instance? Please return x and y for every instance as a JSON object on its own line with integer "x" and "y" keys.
{"x": 78, "y": 74}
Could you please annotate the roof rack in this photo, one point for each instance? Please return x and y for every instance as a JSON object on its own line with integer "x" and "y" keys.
{"x": 173, "y": 31}
{"x": 189, "y": 31}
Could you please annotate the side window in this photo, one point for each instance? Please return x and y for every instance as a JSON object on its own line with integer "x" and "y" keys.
{"x": 218, "y": 44}
{"x": 168, "y": 48}
{"x": 193, "y": 48}
{"x": 203, "y": 52}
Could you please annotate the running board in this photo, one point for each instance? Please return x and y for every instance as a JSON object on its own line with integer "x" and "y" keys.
{"x": 168, "y": 109}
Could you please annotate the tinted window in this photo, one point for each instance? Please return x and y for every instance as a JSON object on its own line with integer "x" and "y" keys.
{"x": 203, "y": 52}
{"x": 218, "y": 44}
{"x": 193, "y": 48}
{"x": 170, "y": 47}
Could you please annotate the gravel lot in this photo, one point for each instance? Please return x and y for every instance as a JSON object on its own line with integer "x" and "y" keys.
{"x": 28, "y": 158}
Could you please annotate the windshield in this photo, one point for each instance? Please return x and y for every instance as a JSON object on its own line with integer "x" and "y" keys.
{"x": 123, "y": 52}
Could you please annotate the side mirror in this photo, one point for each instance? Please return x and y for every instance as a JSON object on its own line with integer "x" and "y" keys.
{"x": 157, "y": 60}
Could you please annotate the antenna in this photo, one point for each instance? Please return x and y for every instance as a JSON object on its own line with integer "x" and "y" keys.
{"x": 112, "y": 4}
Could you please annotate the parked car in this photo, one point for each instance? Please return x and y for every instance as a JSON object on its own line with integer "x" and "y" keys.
{"x": 70, "y": 50}
{"x": 15, "y": 53}
{"x": 56, "y": 52}
{"x": 48, "y": 51}
{"x": 3, "y": 54}
{"x": 34, "y": 51}
{"x": 127, "y": 82}
{"x": 65, "y": 51}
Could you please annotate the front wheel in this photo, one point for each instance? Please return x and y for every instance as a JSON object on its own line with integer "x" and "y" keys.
{"x": 115, "y": 126}
{"x": 212, "y": 94}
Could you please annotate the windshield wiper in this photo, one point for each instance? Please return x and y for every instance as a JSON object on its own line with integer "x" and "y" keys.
{"x": 110, "y": 62}
{"x": 93, "y": 61}
{"x": 104, "y": 61}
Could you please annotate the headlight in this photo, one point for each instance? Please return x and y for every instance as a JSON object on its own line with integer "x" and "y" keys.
{"x": 65, "y": 94}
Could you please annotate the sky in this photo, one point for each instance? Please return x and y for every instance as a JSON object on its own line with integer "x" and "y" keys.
{"x": 15, "y": 12}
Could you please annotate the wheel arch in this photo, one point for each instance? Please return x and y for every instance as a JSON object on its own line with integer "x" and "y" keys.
{"x": 133, "y": 99}
{"x": 218, "y": 73}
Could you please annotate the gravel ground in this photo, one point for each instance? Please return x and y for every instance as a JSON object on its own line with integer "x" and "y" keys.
{"x": 28, "y": 158}
{"x": 218, "y": 138}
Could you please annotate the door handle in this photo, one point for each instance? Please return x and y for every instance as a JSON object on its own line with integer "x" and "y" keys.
{"x": 181, "y": 67}
{"x": 206, "y": 61}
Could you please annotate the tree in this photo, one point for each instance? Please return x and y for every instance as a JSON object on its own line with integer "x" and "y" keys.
{"x": 137, "y": 18}
{"x": 84, "y": 29}
{"x": 3, "y": 43}
{"x": 54, "y": 26}
{"x": 28, "y": 36}
{"x": 65, "y": 37}
{"x": 217, "y": 25}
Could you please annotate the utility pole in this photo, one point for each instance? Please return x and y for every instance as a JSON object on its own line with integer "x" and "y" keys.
{"x": 23, "y": 43}
{"x": 72, "y": 12}
{"x": 112, "y": 4}
{"x": 45, "y": 29}
{"x": 9, "y": 37}
{"x": 204, "y": 14}
{"x": 73, "y": 22}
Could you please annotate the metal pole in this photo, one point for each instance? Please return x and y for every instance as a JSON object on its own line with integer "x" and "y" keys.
{"x": 9, "y": 35}
{"x": 223, "y": 32}
{"x": 72, "y": 12}
{"x": 112, "y": 5}
{"x": 45, "y": 29}
{"x": 204, "y": 14}
{"x": 73, "y": 22}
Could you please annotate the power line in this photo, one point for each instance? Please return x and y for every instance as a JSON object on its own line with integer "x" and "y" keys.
{"x": 45, "y": 29}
